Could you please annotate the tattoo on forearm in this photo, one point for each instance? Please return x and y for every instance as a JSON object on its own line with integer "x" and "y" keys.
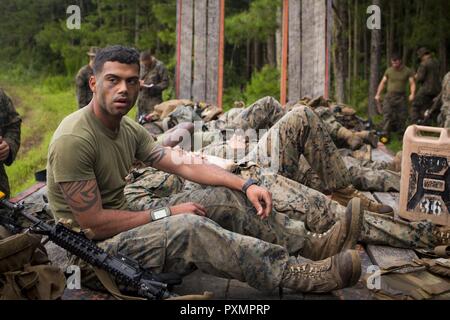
{"x": 81, "y": 195}
{"x": 156, "y": 155}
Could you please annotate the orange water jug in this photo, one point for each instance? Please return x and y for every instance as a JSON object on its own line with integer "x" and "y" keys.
{"x": 425, "y": 178}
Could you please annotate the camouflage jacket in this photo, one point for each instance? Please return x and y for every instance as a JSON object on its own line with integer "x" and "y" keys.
{"x": 428, "y": 77}
{"x": 10, "y": 122}
{"x": 158, "y": 76}
{"x": 84, "y": 93}
{"x": 149, "y": 97}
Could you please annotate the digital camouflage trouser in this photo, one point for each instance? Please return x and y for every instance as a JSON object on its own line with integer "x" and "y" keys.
{"x": 420, "y": 104}
{"x": 232, "y": 242}
{"x": 330, "y": 121}
{"x": 370, "y": 175}
{"x": 298, "y": 137}
{"x": 210, "y": 246}
{"x": 365, "y": 176}
{"x": 262, "y": 114}
{"x": 395, "y": 112}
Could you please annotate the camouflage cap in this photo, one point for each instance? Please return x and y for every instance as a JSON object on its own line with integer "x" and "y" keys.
{"x": 93, "y": 51}
{"x": 422, "y": 51}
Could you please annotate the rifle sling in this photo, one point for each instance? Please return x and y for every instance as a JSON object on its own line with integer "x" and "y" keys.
{"x": 111, "y": 286}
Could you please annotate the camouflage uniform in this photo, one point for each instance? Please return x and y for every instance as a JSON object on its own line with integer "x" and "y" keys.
{"x": 84, "y": 93}
{"x": 301, "y": 134}
{"x": 262, "y": 114}
{"x": 189, "y": 242}
{"x": 10, "y": 122}
{"x": 293, "y": 203}
{"x": 365, "y": 175}
{"x": 444, "y": 116}
{"x": 330, "y": 121}
{"x": 428, "y": 77}
{"x": 375, "y": 176}
{"x": 395, "y": 112}
{"x": 150, "y": 97}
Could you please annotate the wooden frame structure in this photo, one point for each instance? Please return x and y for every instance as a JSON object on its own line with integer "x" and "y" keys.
{"x": 307, "y": 31}
{"x": 200, "y": 47}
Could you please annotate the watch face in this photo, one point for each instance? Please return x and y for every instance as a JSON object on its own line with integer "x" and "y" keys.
{"x": 159, "y": 214}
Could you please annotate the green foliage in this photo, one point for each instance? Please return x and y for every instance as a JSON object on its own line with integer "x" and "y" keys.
{"x": 396, "y": 143}
{"x": 58, "y": 84}
{"x": 263, "y": 83}
{"x": 230, "y": 95}
{"x": 254, "y": 23}
{"x": 41, "y": 107}
{"x": 358, "y": 97}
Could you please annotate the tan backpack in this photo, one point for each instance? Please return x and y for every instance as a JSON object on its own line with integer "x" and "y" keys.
{"x": 25, "y": 270}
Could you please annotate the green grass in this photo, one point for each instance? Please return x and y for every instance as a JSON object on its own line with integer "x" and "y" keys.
{"x": 396, "y": 140}
{"x": 42, "y": 105}
{"x": 396, "y": 143}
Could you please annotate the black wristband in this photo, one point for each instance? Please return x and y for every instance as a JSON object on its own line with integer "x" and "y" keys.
{"x": 247, "y": 185}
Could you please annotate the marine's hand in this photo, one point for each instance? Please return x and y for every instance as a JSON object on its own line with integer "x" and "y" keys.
{"x": 411, "y": 98}
{"x": 4, "y": 150}
{"x": 188, "y": 208}
{"x": 261, "y": 200}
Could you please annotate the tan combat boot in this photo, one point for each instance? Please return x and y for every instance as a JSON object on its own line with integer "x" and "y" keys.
{"x": 353, "y": 141}
{"x": 343, "y": 196}
{"x": 340, "y": 271}
{"x": 368, "y": 137}
{"x": 341, "y": 236}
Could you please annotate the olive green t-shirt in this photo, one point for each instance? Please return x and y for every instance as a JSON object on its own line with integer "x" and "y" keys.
{"x": 82, "y": 148}
{"x": 398, "y": 79}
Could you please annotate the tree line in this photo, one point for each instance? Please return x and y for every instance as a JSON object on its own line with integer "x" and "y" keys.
{"x": 34, "y": 38}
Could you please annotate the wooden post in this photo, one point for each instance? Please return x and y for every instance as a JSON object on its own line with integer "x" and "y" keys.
{"x": 200, "y": 43}
{"x": 295, "y": 50}
{"x": 200, "y": 50}
{"x": 221, "y": 52}
{"x": 212, "y": 52}
{"x": 284, "y": 54}
{"x": 306, "y": 48}
{"x": 184, "y": 49}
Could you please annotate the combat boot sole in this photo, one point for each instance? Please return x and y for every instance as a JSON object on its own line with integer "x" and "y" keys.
{"x": 337, "y": 272}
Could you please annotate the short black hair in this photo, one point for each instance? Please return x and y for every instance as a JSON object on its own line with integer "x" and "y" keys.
{"x": 115, "y": 53}
{"x": 396, "y": 56}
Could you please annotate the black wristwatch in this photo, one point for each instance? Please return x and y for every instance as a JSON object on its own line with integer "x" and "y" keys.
{"x": 247, "y": 185}
{"x": 160, "y": 213}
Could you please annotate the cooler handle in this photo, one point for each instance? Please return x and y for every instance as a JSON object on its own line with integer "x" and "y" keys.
{"x": 443, "y": 131}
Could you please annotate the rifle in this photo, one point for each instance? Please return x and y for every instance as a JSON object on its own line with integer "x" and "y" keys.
{"x": 124, "y": 270}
